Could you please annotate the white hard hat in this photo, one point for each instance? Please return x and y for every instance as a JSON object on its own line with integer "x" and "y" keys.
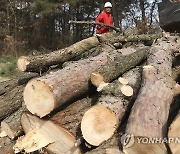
{"x": 107, "y": 4}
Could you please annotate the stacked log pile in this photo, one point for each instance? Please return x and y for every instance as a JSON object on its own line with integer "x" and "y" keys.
{"x": 109, "y": 93}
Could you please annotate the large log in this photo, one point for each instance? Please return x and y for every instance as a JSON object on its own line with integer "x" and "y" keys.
{"x": 51, "y": 91}
{"x": 42, "y": 62}
{"x": 150, "y": 111}
{"x": 174, "y": 134}
{"x": 68, "y": 118}
{"x": 11, "y": 94}
{"x": 101, "y": 121}
{"x": 115, "y": 68}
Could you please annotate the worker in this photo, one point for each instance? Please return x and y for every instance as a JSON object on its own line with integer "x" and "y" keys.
{"x": 104, "y": 17}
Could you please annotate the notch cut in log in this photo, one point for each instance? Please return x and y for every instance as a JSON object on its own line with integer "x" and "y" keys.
{"x": 40, "y": 135}
{"x": 101, "y": 121}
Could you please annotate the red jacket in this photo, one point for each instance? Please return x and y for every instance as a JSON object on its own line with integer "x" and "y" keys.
{"x": 105, "y": 18}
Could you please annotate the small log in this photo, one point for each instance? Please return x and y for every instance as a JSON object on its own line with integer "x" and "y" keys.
{"x": 115, "y": 68}
{"x": 150, "y": 111}
{"x": 101, "y": 121}
{"x": 11, "y": 94}
{"x": 12, "y": 125}
{"x": 174, "y": 134}
{"x": 42, "y": 62}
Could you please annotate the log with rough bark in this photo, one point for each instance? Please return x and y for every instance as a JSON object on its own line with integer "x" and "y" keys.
{"x": 150, "y": 111}
{"x": 42, "y": 62}
{"x": 12, "y": 125}
{"x": 115, "y": 68}
{"x": 174, "y": 134}
{"x": 66, "y": 120}
{"x": 101, "y": 121}
{"x": 6, "y": 145}
{"x": 51, "y": 91}
{"x": 11, "y": 94}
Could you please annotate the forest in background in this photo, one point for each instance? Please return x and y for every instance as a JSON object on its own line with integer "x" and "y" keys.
{"x": 30, "y": 26}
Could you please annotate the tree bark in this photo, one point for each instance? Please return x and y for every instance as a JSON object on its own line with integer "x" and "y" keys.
{"x": 115, "y": 68}
{"x": 150, "y": 112}
{"x": 42, "y": 62}
{"x": 11, "y": 94}
{"x": 103, "y": 119}
{"x": 6, "y": 145}
{"x": 174, "y": 133}
{"x": 12, "y": 125}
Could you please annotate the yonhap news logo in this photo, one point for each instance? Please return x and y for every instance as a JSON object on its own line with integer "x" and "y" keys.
{"x": 127, "y": 140}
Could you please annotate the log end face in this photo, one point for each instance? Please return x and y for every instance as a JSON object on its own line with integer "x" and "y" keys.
{"x": 22, "y": 63}
{"x": 127, "y": 90}
{"x": 38, "y": 98}
{"x": 98, "y": 125}
{"x": 96, "y": 79}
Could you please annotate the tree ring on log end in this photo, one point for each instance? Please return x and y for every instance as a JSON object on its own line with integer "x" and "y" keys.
{"x": 38, "y": 97}
{"x": 22, "y": 63}
{"x": 98, "y": 124}
{"x": 127, "y": 90}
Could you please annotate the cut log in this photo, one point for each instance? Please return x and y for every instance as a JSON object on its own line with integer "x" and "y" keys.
{"x": 12, "y": 125}
{"x": 115, "y": 68}
{"x": 44, "y": 133}
{"x": 68, "y": 118}
{"x": 101, "y": 121}
{"x": 174, "y": 134}
{"x": 150, "y": 111}
{"x": 11, "y": 94}
{"x": 39, "y": 63}
{"x": 51, "y": 91}
{"x": 42, "y": 62}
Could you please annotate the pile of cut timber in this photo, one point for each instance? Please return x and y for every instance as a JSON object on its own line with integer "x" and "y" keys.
{"x": 107, "y": 94}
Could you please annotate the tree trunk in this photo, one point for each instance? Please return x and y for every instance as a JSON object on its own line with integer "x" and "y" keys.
{"x": 115, "y": 13}
{"x": 12, "y": 125}
{"x": 68, "y": 118}
{"x": 174, "y": 133}
{"x": 115, "y": 68}
{"x": 103, "y": 119}
{"x": 150, "y": 112}
{"x": 11, "y": 94}
{"x": 42, "y": 62}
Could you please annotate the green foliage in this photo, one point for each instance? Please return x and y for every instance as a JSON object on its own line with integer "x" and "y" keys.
{"x": 8, "y": 66}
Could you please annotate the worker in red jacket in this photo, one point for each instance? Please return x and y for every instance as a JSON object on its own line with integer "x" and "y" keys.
{"x": 104, "y": 17}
